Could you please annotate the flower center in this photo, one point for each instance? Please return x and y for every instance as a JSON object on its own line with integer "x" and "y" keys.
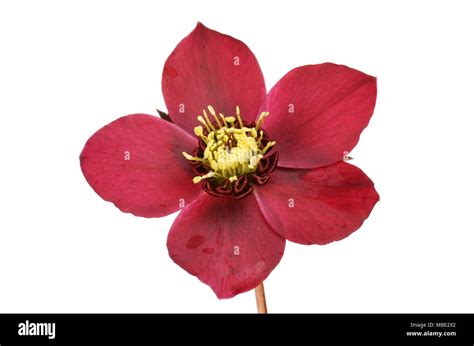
{"x": 231, "y": 153}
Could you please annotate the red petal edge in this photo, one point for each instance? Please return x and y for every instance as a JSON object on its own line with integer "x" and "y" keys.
{"x": 210, "y": 68}
{"x": 317, "y": 113}
{"x": 226, "y": 243}
{"x": 317, "y": 206}
{"x": 136, "y": 163}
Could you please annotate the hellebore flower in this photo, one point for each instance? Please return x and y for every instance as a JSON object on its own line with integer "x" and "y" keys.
{"x": 253, "y": 170}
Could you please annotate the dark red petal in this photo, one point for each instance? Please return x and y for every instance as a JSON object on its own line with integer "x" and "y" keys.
{"x": 136, "y": 163}
{"x": 210, "y": 68}
{"x": 317, "y": 113}
{"x": 317, "y": 206}
{"x": 226, "y": 243}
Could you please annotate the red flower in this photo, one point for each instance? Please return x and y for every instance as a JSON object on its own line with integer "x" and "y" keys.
{"x": 260, "y": 168}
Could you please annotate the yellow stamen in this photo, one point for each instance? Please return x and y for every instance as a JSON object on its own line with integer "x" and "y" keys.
{"x": 232, "y": 150}
{"x": 237, "y": 112}
{"x": 213, "y": 112}
{"x": 223, "y": 119}
{"x": 269, "y": 144}
{"x": 230, "y": 121}
{"x": 198, "y": 131}
{"x": 202, "y": 121}
{"x": 260, "y": 119}
{"x": 253, "y": 132}
{"x": 208, "y": 121}
{"x": 191, "y": 158}
{"x": 200, "y": 178}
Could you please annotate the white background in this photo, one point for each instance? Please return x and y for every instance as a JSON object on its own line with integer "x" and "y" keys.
{"x": 69, "y": 67}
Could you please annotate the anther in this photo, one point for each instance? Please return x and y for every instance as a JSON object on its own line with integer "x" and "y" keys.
{"x": 202, "y": 121}
{"x": 237, "y": 112}
{"x": 208, "y": 121}
{"x": 213, "y": 112}
{"x": 260, "y": 119}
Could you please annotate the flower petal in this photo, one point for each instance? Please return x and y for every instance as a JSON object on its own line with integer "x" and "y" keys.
{"x": 210, "y": 68}
{"x": 226, "y": 243}
{"x": 317, "y": 113}
{"x": 136, "y": 163}
{"x": 317, "y": 206}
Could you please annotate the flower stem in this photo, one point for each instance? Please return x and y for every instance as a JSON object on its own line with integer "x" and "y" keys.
{"x": 261, "y": 302}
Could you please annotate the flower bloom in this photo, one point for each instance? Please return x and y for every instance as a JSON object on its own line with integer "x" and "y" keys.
{"x": 249, "y": 169}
